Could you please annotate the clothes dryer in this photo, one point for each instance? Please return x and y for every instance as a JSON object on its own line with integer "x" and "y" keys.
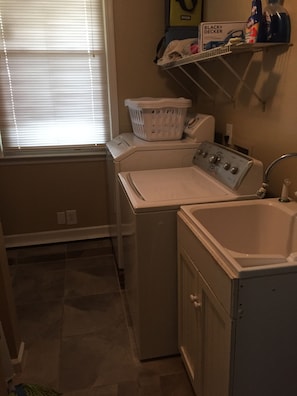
{"x": 150, "y": 200}
{"x": 127, "y": 152}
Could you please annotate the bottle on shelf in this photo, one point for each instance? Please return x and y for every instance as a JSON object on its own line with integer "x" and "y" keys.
{"x": 277, "y": 25}
{"x": 253, "y": 24}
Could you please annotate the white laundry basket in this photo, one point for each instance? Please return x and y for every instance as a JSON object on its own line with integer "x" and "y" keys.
{"x": 158, "y": 118}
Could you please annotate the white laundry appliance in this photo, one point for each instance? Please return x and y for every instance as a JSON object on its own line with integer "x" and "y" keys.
{"x": 128, "y": 152}
{"x": 149, "y": 203}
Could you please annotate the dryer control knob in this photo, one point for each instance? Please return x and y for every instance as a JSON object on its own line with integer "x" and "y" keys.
{"x": 213, "y": 159}
{"x": 234, "y": 170}
{"x": 226, "y": 165}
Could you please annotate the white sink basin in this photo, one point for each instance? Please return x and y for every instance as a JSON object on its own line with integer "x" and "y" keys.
{"x": 255, "y": 232}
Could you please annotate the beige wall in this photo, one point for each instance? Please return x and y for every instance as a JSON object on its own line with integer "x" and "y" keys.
{"x": 31, "y": 194}
{"x": 139, "y": 25}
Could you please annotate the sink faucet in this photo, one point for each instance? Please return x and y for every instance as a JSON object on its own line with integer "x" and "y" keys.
{"x": 263, "y": 189}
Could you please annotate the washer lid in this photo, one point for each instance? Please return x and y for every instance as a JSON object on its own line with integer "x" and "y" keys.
{"x": 175, "y": 184}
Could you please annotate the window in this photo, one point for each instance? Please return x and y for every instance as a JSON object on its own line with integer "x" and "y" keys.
{"x": 57, "y": 75}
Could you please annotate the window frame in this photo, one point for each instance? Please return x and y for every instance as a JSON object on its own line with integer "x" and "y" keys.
{"x": 81, "y": 150}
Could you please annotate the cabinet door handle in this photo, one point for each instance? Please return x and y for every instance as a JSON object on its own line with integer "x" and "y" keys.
{"x": 195, "y": 301}
{"x": 193, "y": 297}
{"x": 197, "y": 304}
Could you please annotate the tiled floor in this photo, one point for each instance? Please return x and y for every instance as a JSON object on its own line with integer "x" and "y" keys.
{"x": 73, "y": 322}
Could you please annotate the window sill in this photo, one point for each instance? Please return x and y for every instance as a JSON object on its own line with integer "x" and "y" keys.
{"x": 54, "y": 157}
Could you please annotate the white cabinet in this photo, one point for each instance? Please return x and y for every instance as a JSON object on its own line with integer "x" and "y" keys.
{"x": 204, "y": 331}
{"x": 189, "y": 314}
{"x": 237, "y": 336}
{"x": 215, "y": 344}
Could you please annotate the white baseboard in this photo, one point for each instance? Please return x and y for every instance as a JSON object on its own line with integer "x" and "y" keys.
{"x": 17, "y": 363}
{"x": 41, "y": 238}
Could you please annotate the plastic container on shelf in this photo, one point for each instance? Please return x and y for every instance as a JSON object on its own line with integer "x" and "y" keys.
{"x": 277, "y": 24}
{"x": 156, "y": 119}
{"x": 253, "y": 25}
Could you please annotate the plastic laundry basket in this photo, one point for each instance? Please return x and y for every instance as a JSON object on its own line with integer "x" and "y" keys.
{"x": 158, "y": 119}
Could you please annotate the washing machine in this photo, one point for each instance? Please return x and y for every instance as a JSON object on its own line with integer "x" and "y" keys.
{"x": 150, "y": 200}
{"x": 128, "y": 152}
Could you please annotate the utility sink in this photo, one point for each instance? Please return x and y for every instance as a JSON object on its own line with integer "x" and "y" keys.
{"x": 254, "y": 232}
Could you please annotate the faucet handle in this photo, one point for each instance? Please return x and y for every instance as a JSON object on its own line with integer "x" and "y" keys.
{"x": 285, "y": 191}
{"x": 262, "y": 190}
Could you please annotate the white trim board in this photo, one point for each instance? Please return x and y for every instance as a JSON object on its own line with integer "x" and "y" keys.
{"x": 46, "y": 237}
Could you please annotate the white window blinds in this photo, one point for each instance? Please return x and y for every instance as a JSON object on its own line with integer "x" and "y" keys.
{"x": 53, "y": 75}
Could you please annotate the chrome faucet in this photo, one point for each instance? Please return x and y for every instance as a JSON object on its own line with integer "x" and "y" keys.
{"x": 263, "y": 189}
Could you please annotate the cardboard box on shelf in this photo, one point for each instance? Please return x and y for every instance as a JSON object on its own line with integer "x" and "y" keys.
{"x": 215, "y": 34}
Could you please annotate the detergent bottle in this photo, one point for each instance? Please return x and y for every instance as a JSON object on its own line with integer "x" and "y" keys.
{"x": 254, "y": 24}
{"x": 277, "y": 22}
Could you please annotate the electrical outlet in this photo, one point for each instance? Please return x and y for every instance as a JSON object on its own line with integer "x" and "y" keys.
{"x": 229, "y": 132}
{"x": 71, "y": 216}
{"x": 61, "y": 218}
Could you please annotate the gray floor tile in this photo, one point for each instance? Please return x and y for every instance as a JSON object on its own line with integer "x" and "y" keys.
{"x": 75, "y": 326}
{"x": 33, "y": 254}
{"x": 149, "y": 385}
{"x": 40, "y": 321}
{"x": 93, "y": 247}
{"x": 176, "y": 385}
{"x": 164, "y": 366}
{"x": 40, "y": 328}
{"x": 12, "y": 256}
{"x": 128, "y": 388}
{"x": 90, "y": 276}
{"x": 41, "y": 364}
{"x": 93, "y": 360}
{"x": 89, "y": 314}
{"x": 38, "y": 282}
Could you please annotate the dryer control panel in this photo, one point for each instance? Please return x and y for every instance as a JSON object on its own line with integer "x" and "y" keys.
{"x": 201, "y": 127}
{"x": 230, "y": 167}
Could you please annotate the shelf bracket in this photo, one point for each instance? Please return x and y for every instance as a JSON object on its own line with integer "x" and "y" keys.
{"x": 195, "y": 82}
{"x": 214, "y": 81}
{"x": 178, "y": 82}
{"x": 241, "y": 80}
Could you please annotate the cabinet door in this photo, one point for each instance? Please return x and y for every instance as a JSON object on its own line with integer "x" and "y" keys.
{"x": 214, "y": 361}
{"x": 189, "y": 314}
